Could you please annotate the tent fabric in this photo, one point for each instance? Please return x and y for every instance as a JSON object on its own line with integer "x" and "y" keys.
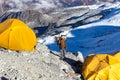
{"x": 16, "y": 35}
{"x": 102, "y": 67}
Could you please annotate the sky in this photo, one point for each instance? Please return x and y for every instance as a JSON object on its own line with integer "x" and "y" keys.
{"x": 94, "y": 38}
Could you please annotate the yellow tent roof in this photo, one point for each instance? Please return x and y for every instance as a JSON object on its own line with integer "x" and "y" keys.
{"x": 16, "y": 35}
{"x": 102, "y": 67}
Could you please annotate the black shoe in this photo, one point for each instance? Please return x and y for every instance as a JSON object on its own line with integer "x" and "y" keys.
{"x": 61, "y": 58}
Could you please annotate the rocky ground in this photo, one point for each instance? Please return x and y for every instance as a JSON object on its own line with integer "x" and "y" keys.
{"x": 40, "y": 64}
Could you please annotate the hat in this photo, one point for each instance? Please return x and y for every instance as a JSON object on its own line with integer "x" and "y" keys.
{"x": 57, "y": 35}
{"x": 63, "y": 36}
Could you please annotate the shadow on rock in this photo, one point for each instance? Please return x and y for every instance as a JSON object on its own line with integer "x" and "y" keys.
{"x": 40, "y": 30}
{"x": 3, "y": 78}
{"x": 75, "y": 65}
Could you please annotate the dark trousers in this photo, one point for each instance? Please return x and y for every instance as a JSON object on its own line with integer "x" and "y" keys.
{"x": 62, "y": 54}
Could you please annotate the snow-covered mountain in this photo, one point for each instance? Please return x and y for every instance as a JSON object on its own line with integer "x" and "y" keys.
{"x": 89, "y": 29}
{"x": 46, "y": 5}
{"x": 101, "y": 36}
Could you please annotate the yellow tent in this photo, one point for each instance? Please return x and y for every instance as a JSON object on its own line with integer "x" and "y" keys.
{"x": 16, "y": 35}
{"x": 102, "y": 67}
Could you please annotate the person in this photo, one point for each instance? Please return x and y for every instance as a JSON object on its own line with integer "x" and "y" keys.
{"x": 61, "y": 42}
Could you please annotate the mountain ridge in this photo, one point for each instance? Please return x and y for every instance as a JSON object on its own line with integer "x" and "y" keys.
{"x": 46, "y": 5}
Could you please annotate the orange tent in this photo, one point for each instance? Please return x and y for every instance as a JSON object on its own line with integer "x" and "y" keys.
{"x": 16, "y": 35}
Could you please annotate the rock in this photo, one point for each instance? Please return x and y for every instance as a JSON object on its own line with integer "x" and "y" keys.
{"x": 80, "y": 56}
{"x": 40, "y": 64}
